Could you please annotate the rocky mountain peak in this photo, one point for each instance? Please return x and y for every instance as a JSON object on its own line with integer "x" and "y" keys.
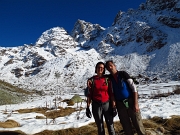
{"x": 118, "y": 17}
{"x": 158, "y": 5}
{"x": 55, "y": 37}
{"x": 85, "y": 31}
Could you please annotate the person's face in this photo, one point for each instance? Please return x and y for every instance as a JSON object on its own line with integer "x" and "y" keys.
{"x": 111, "y": 68}
{"x": 100, "y": 69}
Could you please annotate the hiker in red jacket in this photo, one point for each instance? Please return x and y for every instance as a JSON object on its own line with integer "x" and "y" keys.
{"x": 126, "y": 98}
{"x": 101, "y": 95}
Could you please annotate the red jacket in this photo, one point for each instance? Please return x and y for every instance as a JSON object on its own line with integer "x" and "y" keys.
{"x": 101, "y": 90}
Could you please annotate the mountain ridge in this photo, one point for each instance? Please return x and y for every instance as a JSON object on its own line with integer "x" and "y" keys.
{"x": 144, "y": 42}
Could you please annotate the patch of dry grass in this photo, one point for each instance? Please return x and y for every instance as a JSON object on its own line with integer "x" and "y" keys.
{"x": 50, "y": 113}
{"x": 150, "y": 124}
{"x": 173, "y": 125}
{"x": 90, "y": 129}
{"x": 9, "y": 124}
{"x": 37, "y": 110}
{"x": 60, "y": 113}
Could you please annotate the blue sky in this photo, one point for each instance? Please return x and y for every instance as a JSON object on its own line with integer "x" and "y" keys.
{"x": 23, "y": 21}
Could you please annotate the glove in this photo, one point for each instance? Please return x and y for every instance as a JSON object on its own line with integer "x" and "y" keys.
{"x": 114, "y": 112}
{"x": 88, "y": 112}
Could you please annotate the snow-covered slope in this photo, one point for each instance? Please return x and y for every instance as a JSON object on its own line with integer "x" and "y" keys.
{"x": 145, "y": 42}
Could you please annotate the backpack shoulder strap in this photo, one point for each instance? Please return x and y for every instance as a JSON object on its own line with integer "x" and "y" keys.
{"x": 106, "y": 80}
{"x": 120, "y": 73}
{"x": 92, "y": 89}
{"x": 92, "y": 80}
{"x": 124, "y": 75}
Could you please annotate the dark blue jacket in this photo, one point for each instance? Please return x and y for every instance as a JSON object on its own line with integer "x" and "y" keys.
{"x": 121, "y": 88}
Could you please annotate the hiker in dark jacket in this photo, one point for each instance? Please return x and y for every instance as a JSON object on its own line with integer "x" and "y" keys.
{"x": 126, "y": 100}
{"x": 100, "y": 93}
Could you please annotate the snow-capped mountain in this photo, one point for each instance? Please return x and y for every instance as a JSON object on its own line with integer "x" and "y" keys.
{"x": 145, "y": 42}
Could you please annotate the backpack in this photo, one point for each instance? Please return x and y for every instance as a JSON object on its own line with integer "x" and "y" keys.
{"x": 86, "y": 90}
{"x": 123, "y": 86}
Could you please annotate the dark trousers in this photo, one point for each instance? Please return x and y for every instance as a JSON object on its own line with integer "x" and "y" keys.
{"x": 99, "y": 110}
{"x": 127, "y": 115}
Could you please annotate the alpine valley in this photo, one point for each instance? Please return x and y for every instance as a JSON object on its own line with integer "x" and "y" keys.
{"x": 145, "y": 42}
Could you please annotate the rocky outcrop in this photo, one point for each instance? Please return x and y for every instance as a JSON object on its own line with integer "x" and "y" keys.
{"x": 159, "y": 5}
{"x": 85, "y": 32}
{"x": 58, "y": 51}
{"x": 3, "y": 52}
{"x": 32, "y": 72}
{"x": 172, "y": 22}
{"x": 18, "y": 72}
{"x": 118, "y": 17}
{"x": 10, "y": 61}
{"x": 38, "y": 61}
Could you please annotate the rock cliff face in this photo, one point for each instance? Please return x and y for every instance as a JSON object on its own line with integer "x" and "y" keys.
{"x": 170, "y": 21}
{"x": 169, "y": 5}
{"x": 159, "y": 5}
{"x": 141, "y": 26}
{"x": 84, "y": 32}
{"x": 55, "y": 37}
{"x": 144, "y": 42}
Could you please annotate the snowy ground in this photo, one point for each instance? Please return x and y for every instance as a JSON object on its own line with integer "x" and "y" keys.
{"x": 162, "y": 107}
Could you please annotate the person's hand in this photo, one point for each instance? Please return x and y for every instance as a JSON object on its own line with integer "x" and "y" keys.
{"x": 136, "y": 107}
{"x": 89, "y": 83}
{"x": 114, "y": 112}
{"x": 88, "y": 112}
{"x": 113, "y": 104}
